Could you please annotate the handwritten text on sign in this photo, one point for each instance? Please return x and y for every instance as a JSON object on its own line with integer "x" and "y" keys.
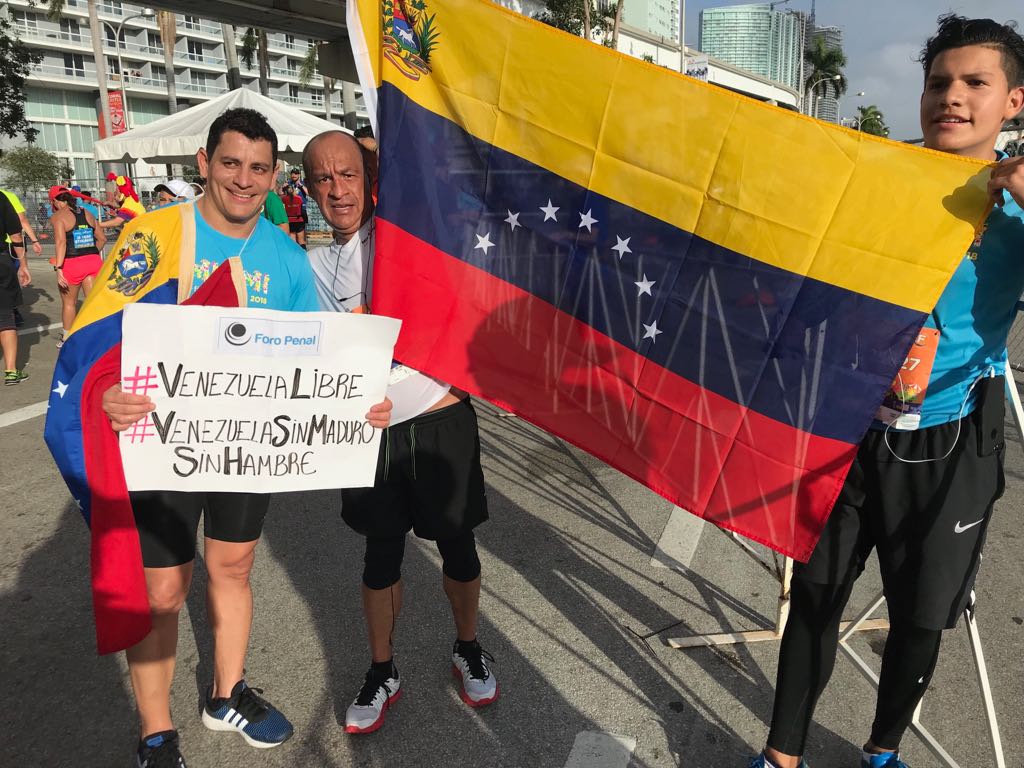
{"x": 251, "y": 399}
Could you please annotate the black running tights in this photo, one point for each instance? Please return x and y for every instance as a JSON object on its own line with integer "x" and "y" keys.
{"x": 808, "y": 655}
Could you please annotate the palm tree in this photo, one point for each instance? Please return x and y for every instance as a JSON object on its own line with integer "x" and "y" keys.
{"x": 168, "y": 34}
{"x": 823, "y": 65}
{"x": 871, "y": 120}
{"x": 309, "y": 69}
{"x": 227, "y": 31}
{"x": 254, "y": 43}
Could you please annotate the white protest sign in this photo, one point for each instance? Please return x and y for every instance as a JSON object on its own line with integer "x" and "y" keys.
{"x": 253, "y": 399}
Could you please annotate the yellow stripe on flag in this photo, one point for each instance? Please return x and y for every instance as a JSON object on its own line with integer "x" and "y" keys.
{"x": 867, "y": 214}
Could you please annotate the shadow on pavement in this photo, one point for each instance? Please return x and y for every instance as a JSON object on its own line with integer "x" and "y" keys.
{"x": 63, "y": 704}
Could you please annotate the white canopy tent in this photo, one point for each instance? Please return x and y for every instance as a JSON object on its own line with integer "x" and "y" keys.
{"x": 176, "y": 138}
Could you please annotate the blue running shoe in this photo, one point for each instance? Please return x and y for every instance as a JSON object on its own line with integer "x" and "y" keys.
{"x": 260, "y": 722}
{"x": 763, "y": 762}
{"x": 887, "y": 760}
{"x": 160, "y": 750}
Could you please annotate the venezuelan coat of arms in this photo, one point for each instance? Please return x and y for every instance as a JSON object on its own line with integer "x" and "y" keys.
{"x": 135, "y": 263}
{"x": 410, "y": 36}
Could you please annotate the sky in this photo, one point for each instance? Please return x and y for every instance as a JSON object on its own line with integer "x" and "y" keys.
{"x": 881, "y": 39}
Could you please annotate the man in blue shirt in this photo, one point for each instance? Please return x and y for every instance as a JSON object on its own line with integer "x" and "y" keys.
{"x": 922, "y": 487}
{"x": 238, "y": 162}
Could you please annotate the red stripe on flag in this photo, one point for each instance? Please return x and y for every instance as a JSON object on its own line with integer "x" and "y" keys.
{"x": 724, "y": 462}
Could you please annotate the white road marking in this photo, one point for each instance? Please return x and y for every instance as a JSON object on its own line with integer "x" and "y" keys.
{"x": 22, "y": 414}
{"x": 39, "y": 329}
{"x": 593, "y": 749}
{"x": 678, "y": 541}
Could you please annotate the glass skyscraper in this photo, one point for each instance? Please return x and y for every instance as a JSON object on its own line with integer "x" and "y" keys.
{"x": 758, "y": 38}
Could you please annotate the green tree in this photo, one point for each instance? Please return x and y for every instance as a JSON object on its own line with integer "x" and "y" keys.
{"x": 18, "y": 61}
{"x": 254, "y": 43}
{"x": 30, "y": 168}
{"x": 572, "y": 16}
{"x": 311, "y": 68}
{"x": 823, "y": 65}
{"x": 871, "y": 120}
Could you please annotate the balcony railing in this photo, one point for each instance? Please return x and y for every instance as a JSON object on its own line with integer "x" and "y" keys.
{"x": 57, "y": 70}
{"x": 194, "y": 26}
{"x": 302, "y": 101}
{"x": 205, "y": 90}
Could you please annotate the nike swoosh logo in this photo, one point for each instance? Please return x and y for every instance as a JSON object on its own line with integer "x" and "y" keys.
{"x": 961, "y": 528}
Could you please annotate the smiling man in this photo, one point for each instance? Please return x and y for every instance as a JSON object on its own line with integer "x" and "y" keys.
{"x": 238, "y": 162}
{"x": 922, "y": 487}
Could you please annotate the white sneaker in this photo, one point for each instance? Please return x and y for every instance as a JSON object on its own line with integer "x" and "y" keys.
{"x": 366, "y": 714}
{"x": 478, "y": 684}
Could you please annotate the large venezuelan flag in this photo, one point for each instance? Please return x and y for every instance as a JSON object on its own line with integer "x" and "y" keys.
{"x": 152, "y": 262}
{"x": 709, "y": 293}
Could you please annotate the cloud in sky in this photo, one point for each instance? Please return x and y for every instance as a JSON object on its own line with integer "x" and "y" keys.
{"x": 881, "y": 39}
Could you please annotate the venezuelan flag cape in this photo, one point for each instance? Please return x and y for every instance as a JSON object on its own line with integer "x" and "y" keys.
{"x": 151, "y": 262}
{"x": 710, "y": 293}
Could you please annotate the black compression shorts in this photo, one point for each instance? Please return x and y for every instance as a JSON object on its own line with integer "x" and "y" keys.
{"x": 168, "y": 520}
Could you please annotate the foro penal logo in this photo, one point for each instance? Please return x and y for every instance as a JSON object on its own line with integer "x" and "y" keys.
{"x": 236, "y": 334}
{"x": 268, "y": 337}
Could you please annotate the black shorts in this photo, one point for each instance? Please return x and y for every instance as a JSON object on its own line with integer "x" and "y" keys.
{"x": 7, "y": 320}
{"x": 10, "y": 288}
{"x": 296, "y": 226}
{"x": 168, "y": 520}
{"x": 429, "y": 479}
{"x": 928, "y": 521}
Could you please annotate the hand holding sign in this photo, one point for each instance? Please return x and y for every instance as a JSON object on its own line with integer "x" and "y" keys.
{"x": 251, "y": 400}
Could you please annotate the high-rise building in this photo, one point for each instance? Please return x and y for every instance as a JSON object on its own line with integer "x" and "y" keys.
{"x": 658, "y": 17}
{"x": 757, "y": 37}
{"x": 62, "y": 92}
{"x": 825, "y": 107}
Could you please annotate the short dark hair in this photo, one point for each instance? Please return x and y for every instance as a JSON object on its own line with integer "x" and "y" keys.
{"x": 316, "y": 140}
{"x": 247, "y": 122}
{"x": 70, "y": 199}
{"x": 363, "y": 132}
{"x": 959, "y": 31}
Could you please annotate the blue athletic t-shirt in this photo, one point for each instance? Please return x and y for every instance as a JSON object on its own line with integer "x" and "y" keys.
{"x": 974, "y": 314}
{"x": 277, "y": 271}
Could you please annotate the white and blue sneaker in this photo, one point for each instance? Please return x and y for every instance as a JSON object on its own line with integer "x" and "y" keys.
{"x": 160, "y": 750}
{"x": 245, "y": 711}
{"x": 886, "y": 760}
{"x": 763, "y": 762}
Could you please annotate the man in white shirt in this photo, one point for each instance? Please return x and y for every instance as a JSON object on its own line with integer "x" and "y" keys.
{"x": 429, "y": 479}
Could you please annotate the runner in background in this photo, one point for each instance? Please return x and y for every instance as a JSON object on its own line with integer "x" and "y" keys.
{"x": 79, "y": 243}
{"x": 296, "y": 210}
{"x": 12, "y": 280}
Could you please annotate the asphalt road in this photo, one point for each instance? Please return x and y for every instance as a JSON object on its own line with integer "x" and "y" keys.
{"x": 576, "y": 609}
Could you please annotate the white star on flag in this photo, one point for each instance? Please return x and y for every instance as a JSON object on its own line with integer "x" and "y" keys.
{"x": 644, "y": 286}
{"x": 586, "y": 220}
{"x": 60, "y": 389}
{"x": 650, "y": 331}
{"x": 513, "y": 220}
{"x": 622, "y": 246}
{"x": 483, "y": 242}
{"x": 549, "y": 211}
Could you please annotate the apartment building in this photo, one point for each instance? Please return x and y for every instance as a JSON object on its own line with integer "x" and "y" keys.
{"x": 62, "y": 94}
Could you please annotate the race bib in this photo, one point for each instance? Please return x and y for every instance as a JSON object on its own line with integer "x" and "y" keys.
{"x": 902, "y": 405}
{"x": 83, "y": 237}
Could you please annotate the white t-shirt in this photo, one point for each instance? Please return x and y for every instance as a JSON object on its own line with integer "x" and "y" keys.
{"x": 344, "y": 279}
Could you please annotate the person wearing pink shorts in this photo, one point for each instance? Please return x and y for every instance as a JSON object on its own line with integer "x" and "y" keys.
{"x": 79, "y": 242}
